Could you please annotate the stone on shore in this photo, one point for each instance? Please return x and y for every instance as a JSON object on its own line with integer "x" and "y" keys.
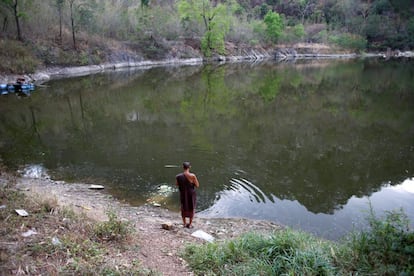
{"x": 167, "y": 226}
{"x": 96, "y": 187}
{"x": 203, "y": 235}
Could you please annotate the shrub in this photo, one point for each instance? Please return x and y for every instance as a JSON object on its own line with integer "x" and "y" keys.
{"x": 349, "y": 41}
{"x": 113, "y": 229}
{"x": 293, "y": 34}
{"x": 387, "y": 248}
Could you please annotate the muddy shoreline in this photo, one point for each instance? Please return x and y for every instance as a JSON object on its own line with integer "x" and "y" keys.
{"x": 95, "y": 203}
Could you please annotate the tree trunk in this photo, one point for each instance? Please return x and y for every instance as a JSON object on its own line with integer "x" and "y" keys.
{"x": 16, "y": 17}
{"x": 72, "y": 20}
{"x": 5, "y": 24}
{"x": 60, "y": 27}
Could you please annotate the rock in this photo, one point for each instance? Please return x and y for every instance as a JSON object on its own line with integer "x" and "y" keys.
{"x": 56, "y": 241}
{"x": 203, "y": 235}
{"x": 22, "y": 213}
{"x": 167, "y": 226}
{"x": 96, "y": 187}
{"x": 29, "y": 233}
{"x": 40, "y": 77}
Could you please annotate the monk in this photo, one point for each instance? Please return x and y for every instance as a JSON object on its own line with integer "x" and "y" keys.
{"x": 187, "y": 182}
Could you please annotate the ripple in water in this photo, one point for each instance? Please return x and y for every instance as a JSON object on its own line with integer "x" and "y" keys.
{"x": 35, "y": 171}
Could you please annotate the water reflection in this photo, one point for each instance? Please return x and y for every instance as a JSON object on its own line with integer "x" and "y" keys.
{"x": 243, "y": 186}
{"x": 244, "y": 199}
{"x": 302, "y": 139}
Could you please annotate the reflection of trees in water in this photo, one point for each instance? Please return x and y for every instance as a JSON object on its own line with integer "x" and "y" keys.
{"x": 34, "y": 123}
{"x": 316, "y": 135}
{"x": 324, "y": 140}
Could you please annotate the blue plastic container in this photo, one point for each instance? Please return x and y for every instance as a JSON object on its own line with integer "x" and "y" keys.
{"x": 10, "y": 88}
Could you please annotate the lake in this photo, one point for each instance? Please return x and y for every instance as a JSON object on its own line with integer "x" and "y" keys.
{"x": 309, "y": 144}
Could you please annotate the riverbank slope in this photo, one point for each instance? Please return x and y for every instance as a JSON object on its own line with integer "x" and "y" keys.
{"x": 32, "y": 61}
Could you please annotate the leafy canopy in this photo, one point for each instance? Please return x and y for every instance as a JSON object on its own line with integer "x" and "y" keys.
{"x": 274, "y": 25}
{"x": 214, "y": 18}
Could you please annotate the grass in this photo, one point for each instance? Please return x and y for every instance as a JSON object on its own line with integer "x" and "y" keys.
{"x": 285, "y": 252}
{"x": 65, "y": 243}
{"x": 112, "y": 230}
{"x": 387, "y": 248}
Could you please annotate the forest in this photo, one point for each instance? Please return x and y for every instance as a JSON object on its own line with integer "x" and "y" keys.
{"x": 83, "y": 31}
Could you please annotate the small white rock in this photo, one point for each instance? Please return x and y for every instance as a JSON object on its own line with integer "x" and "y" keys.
{"x": 203, "y": 235}
{"x": 96, "y": 187}
{"x": 29, "y": 232}
{"x": 22, "y": 213}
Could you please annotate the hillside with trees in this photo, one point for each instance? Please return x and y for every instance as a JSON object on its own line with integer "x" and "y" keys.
{"x": 83, "y": 32}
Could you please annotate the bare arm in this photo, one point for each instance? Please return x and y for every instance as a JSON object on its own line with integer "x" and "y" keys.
{"x": 195, "y": 181}
{"x": 192, "y": 178}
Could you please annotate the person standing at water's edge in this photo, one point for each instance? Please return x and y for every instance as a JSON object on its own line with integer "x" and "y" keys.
{"x": 187, "y": 182}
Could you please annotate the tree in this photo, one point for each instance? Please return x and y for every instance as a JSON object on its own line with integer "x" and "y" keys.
{"x": 402, "y": 7}
{"x": 212, "y": 17}
{"x": 72, "y": 21}
{"x": 60, "y": 5}
{"x": 306, "y": 7}
{"x": 81, "y": 13}
{"x": 5, "y": 22}
{"x": 13, "y": 5}
{"x": 410, "y": 31}
{"x": 274, "y": 26}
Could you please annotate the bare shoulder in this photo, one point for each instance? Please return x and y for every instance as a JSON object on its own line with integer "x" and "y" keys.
{"x": 195, "y": 181}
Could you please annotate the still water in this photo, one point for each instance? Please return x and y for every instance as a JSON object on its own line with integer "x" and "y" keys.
{"x": 311, "y": 144}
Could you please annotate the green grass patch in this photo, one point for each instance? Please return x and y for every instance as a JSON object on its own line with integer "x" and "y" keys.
{"x": 284, "y": 252}
{"x": 387, "y": 248}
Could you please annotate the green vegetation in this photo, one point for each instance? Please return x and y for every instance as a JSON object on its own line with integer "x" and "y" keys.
{"x": 99, "y": 31}
{"x": 213, "y": 18}
{"x": 64, "y": 243}
{"x": 113, "y": 229}
{"x": 274, "y": 26}
{"x": 387, "y": 248}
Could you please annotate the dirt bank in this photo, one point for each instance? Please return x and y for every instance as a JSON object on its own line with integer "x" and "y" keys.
{"x": 159, "y": 249}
